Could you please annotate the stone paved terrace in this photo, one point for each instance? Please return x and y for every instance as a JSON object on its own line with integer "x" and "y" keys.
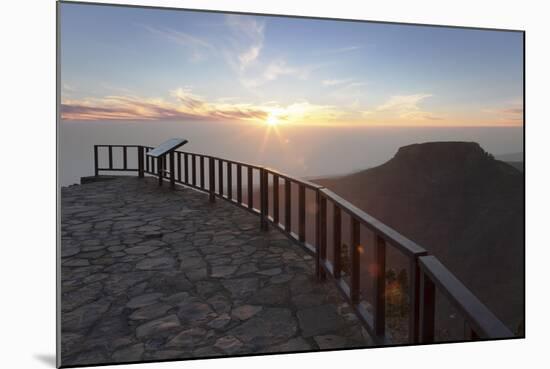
{"x": 150, "y": 274}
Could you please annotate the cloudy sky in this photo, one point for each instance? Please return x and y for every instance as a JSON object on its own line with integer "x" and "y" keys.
{"x": 128, "y": 64}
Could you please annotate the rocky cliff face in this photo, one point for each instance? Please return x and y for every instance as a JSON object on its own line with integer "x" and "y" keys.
{"x": 462, "y": 205}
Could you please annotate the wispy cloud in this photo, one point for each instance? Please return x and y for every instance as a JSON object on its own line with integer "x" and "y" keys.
{"x": 510, "y": 113}
{"x": 249, "y": 56}
{"x": 198, "y": 48}
{"x": 183, "y": 105}
{"x": 279, "y": 68}
{"x": 346, "y": 91}
{"x": 113, "y": 108}
{"x": 272, "y": 71}
{"x": 247, "y": 36}
{"x": 403, "y": 102}
{"x": 407, "y": 107}
{"x": 513, "y": 111}
{"x": 188, "y": 99}
{"x": 420, "y": 115}
{"x": 115, "y": 89}
{"x": 354, "y": 85}
{"x": 67, "y": 88}
{"x": 335, "y": 82}
{"x": 244, "y": 50}
{"x": 344, "y": 84}
{"x": 344, "y": 49}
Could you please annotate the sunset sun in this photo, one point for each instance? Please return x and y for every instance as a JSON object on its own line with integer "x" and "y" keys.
{"x": 272, "y": 120}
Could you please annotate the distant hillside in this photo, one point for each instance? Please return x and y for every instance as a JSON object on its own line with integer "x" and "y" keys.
{"x": 514, "y": 159}
{"x": 461, "y": 204}
{"x": 516, "y": 164}
{"x": 516, "y": 156}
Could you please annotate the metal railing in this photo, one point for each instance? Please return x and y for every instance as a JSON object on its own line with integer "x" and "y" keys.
{"x": 251, "y": 187}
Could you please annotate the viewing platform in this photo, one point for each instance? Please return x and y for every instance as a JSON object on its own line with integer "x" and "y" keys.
{"x": 200, "y": 256}
{"x": 154, "y": 273}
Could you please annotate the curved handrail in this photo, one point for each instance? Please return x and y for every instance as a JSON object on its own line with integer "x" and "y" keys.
{"x": 308, "y": 184}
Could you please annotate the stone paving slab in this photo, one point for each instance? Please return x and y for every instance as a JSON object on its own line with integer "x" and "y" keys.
{"x": 149, "y": 274}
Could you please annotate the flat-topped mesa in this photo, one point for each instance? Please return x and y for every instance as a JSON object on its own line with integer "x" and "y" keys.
{"x": 452, "y": 153}
{"x": 455, "y": 164}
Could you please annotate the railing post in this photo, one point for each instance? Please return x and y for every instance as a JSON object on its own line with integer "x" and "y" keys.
{"x": 172, "y": 171}
{"x": 125, "y": 157}
{"x": 110, "y": 157}
{"x": 337, "y": 241}
{"x": 160, "y": 169}
{"x": 263, "y": 199}
{"x": 380, "y": 287}
{"x": 220, "y": 177}
{"x": 211, "y": 180}
{"x": 266, "y": 194}
{"x": 186, "y": 167}
{"x": 321, "y": 242}
{"x": 178, "y": 165}
{"x": 96, "y": 170}
{"x": 427, "y": 309}
{"x": 355, "y": 235}
{"x": 472, "y": 335}
{"x": 288, "y": 215}
{"x": 193, "y": 170}
{"x": 140, "y": 161}
{"x": 317, "y": 242}
{"x": 301, "y": 212}
{"x": 229, "y": 180}
{"x": 249, "y": 188}
{"x": 239, "y": 183}
{"x": 275, "y": 199}
{"x": 414, "y": 299}
{"x": 201, "y": 169}
{"x": 145, "y": 158}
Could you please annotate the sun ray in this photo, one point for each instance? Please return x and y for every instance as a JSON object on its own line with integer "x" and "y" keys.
{"x": 264, "y": 140}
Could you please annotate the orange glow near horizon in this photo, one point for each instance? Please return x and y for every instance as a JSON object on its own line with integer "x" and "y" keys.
{"x": 189, "y": 107}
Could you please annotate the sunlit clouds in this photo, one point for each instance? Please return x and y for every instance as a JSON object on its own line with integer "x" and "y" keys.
{"x": 407, "y": 108}
{"x": 184, "y": 104}
{"x": 403, "y": 103}
{"x": 275, "y": 71}
{"x": 510, "y": 114}
{"x": 185, "y": 107}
